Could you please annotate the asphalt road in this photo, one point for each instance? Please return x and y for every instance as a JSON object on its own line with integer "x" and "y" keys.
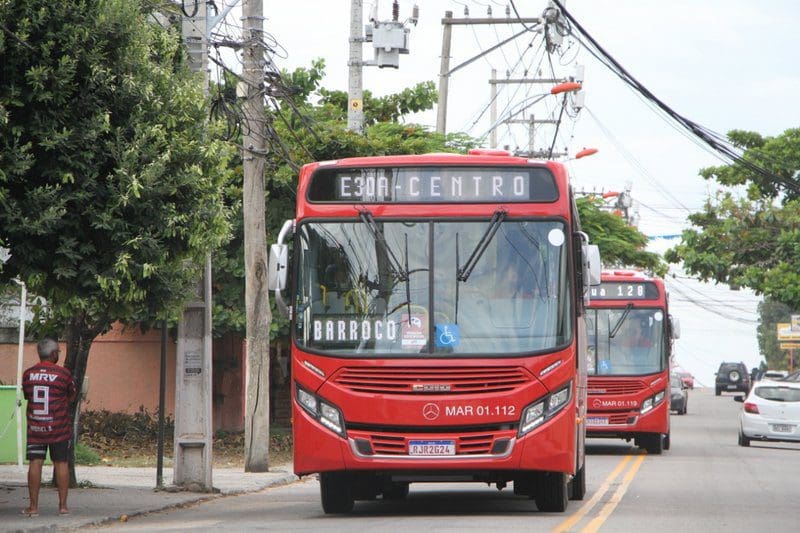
{"x": 704, "y": 483}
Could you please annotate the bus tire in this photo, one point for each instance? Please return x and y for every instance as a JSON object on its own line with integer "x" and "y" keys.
{"x": 552, "y": 495}
{"x": 577, "y": 487}
{"x": 336, "y": 492}
{"x": 666, "y": 441}
{"x": 653, "y": 443}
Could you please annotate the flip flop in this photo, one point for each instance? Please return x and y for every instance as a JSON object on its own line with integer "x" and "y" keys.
{"x": 29, "y": 513}
{"x": 63, "y": 513}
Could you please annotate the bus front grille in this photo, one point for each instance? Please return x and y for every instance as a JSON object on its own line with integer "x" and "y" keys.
{"x": 599, "y": 386}
{"x": 426, "y": 380}
{"x": 470, "y": 444}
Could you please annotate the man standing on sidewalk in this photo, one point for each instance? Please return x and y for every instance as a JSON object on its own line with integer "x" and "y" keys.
{"x": 49, "y": 389}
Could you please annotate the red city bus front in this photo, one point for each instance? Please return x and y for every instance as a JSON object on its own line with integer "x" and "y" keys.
{"x": 437, "y": 321}
{"x": 630, "y": 331}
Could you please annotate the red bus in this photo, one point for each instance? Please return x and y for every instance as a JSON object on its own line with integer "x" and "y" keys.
{"x": 630, "y": 335}
{"x": 437, "y": 311}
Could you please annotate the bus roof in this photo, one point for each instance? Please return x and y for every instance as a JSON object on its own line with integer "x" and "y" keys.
{"x": 478, "y": 158}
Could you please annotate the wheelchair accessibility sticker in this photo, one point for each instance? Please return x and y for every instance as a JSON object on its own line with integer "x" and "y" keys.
{"x": 447, "y": 335}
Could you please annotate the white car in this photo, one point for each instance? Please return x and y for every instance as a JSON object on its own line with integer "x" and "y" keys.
{"x": 775, "y": 374}
{"x": 771, "y": 411}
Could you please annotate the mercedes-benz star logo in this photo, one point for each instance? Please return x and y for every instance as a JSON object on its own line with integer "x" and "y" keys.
{"x": 430, "y": 411}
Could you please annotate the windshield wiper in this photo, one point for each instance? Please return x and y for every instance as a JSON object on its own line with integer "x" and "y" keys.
{"x": 618, "y": 325}
{"x": 494, "y": 225}
{"x": 398, "y": 271}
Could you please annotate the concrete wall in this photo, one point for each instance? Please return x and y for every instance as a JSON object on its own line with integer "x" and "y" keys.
{"x": 123, "y": 373}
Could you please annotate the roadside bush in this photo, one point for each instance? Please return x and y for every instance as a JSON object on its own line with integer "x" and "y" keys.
{"x": 84, "y": 455}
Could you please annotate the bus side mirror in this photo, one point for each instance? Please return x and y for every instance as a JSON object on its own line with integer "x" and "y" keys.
{"x": 594, "y": 267}
{"x": 675, "y": 327}
{"x": 278, "y": 261}
{"x": 277, "y": 266}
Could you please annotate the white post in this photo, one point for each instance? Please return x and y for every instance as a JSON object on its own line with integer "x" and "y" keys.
{"x": 22, "y": 304}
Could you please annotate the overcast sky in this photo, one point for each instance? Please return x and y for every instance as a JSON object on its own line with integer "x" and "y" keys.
{"x": 726, "y": 64}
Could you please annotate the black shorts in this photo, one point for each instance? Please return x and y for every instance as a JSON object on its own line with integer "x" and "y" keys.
{"x": 59, "y": 451}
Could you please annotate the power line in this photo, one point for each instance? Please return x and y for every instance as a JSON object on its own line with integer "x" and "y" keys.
{"x": 721, "y": 144}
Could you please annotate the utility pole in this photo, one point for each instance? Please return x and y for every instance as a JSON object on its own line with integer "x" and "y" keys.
{"x": 193, "y": 385}
{"x": 259, "y": 316}
{"x": 355, "y": 96}
{"x": 389, "y": 39}
{"x": 445, "y": 71}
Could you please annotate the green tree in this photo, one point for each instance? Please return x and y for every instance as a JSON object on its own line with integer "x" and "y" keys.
{"x": 111, "y": 179}
{"x": 772, "y": 313}
{"x": 751, "y": 241}
{"x": 310, "y": 125}
{"x": 621, "y": 245}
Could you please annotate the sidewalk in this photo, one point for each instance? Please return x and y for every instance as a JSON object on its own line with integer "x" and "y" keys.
{"x": 116, "y": 492}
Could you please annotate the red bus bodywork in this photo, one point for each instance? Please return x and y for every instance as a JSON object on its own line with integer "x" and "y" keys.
{"x": 630, "y": 404}
{"x": 388, "y": 403}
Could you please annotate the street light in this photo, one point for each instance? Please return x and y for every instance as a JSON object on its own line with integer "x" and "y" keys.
{"x": 561, "y": 88}
{"x": 23, "y": 299}
{"x": 586, "y": 152}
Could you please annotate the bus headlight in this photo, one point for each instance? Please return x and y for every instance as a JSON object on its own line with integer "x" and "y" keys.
{"x": 647, "y": 405}
{"x": 543, "y": 409}
{"x": 323, "y": 412}
{"x": 652, "y": 401}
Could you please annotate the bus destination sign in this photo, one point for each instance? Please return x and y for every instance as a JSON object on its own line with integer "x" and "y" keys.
{"x": 613, "y": 290}
{"x": 433, "y": 185}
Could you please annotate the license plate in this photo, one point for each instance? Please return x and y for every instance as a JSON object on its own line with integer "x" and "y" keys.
{"x": 782, "y": 428}
{"x": 431, "y": 447}
{"x": 596, "y": 420}
{"x": 731, "y": 386}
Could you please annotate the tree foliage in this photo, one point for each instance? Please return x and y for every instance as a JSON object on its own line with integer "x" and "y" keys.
{"x": 754, "y": 241}
{"x": 621, "y": 245}
{"x": 310, "y": 125}
{"x": 772, "y": 313}
{"x": 110, "y": 175}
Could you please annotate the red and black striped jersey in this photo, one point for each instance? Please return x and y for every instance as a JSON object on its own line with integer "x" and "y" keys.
{"x": 49, "y": 388}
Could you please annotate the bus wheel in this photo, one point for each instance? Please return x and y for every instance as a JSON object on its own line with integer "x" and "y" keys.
{"x": 577, "y": 487}
{"x": 666, "y": 441}
{"x": 396, "y": 491}
{"x": 336, "y": 491}
{"x": 552, "y": 493}
{"x": 653, "y": 443}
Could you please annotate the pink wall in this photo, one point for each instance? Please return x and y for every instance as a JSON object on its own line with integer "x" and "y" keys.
{"x": 123, "y": 373}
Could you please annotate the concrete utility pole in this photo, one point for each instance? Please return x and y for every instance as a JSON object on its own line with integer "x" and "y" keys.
{"x": 259, "y": 316}
{"x": 355, "y": 96}
{"x": 445, "y": 71}
{"x": 389, "y": 39}
{"x": 193, "y": 385}
{"x": 494, "y": 82}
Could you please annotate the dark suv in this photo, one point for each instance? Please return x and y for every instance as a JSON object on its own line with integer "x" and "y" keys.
{"x": 732, "y": 377}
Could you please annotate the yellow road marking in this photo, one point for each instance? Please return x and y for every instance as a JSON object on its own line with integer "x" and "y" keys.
{"x": 586, "y": 507}
{"x": 609, "y": 507}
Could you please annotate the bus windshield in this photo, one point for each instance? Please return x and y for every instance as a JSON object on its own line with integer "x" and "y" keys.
{"x": 625, "y": 341}
{"x": 431, "y": 287}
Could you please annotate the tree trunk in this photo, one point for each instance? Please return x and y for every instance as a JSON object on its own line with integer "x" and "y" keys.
{"x": 79, "y": 335}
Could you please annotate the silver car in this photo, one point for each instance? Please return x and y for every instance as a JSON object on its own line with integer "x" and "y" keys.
{"x": 771, "y": 411}
{"x": 679, "y": 395}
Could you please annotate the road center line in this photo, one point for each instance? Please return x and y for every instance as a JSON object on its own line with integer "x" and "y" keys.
{"x": 586, "y": 507}
{"x": 609, "y": 507}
